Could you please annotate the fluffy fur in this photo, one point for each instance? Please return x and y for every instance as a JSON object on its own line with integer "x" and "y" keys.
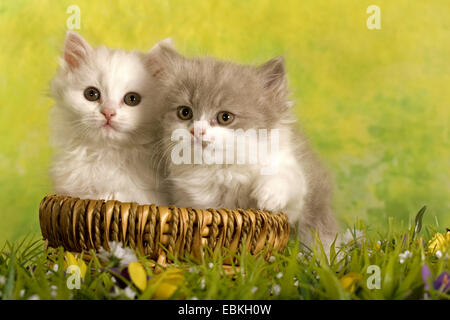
{"x": 95, "y": 160}
{"x": 258, "y": 97}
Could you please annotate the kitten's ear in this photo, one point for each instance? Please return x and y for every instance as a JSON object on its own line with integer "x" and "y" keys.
{"x": 160, "y": 55}
{"x": 75, "y": 49}
{"x": 273, "y": 74}
{"x": 166, "y": 43}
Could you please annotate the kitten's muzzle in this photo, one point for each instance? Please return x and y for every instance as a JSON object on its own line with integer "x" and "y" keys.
{"x": 108, "y": 113}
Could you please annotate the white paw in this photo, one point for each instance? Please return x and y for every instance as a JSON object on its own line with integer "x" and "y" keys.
{"x": 271, "y": 195}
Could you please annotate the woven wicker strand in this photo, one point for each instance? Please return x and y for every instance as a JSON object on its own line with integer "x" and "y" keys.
{"x": 81, "y": 225}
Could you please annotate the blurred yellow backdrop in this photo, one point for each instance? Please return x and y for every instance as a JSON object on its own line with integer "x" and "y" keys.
{"x": 375, "y": 103}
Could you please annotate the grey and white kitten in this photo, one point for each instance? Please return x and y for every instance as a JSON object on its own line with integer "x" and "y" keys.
{"x": 220, "y": 97}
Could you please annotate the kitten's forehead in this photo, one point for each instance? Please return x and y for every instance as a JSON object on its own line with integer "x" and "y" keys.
{"x": 117, "y": 71}
{"x": 212, "y": 84}
{"x": 209, "y": 86}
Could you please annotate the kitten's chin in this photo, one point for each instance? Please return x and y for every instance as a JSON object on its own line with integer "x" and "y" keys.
{"x": 108, "y": 127}
{"x": 108, "y": 133}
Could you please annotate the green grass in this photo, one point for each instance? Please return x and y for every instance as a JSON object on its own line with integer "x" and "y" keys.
{"x": 374, "y": 103}
{"x": 28, "y": 271}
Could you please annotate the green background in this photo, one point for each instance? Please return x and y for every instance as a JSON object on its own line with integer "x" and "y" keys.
{"x": 375, "y": 103}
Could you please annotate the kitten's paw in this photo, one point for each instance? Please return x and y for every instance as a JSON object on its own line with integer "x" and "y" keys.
{"x": 271, "y": 195}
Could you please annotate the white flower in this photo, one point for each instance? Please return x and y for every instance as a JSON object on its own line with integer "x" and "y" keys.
{"x": 203, "y": 284}
{"x": 280, "y": 275}
{"x": 115, "y": 293}
{"x": 439, "y": 254}
{"x": 210, "y": 265}
{"x": 124, "y": 255}
{"x": 405, "y": 255}
{"x": 299, "y": 256}
{"x": 53, "y": 291}
{"x": 254, "y": 289}
{"x": 129, "y": 293}
{"x": 34, "y": 297}
{"x": 272, "y": 259}
{"x": 22, "y": 292}
{"x": 276, "y": 289}
{"x": 55, "y": 267}
{"x": 2, "y": 280}
{"x": 295, "y": 281}
{"x": 194, "y": 298}
{"x": 193, "y": 270}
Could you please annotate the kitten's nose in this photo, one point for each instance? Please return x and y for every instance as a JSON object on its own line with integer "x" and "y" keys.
{"x": 108, "y": 113}
{"x": 200, "y": 132}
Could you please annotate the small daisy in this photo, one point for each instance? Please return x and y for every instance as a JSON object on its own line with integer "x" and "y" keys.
{"x": 404, "y": 256}
{"x": 34, "y": 297}
{"x": 280, "y": 275}
{"x": 2, "y": 280}
{"x": 194, "y": 298}
{"x": 129, "y": 293}
{"x": 254, "y": 289}
{"x": 276, "y": 289}
{"x": 115, "y": 292}
{"x": 438, "y": 254}
{"x": 193, "y": 270}
{"x": 210, "y": 265}
{"x": 121, "y": 256}
{"x": 203, "y": 284}
{"x": 53, "y": 291}
{"x": 272, "y": 259}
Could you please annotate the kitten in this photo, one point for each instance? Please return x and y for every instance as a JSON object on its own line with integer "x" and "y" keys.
{"x": 209, "y": 99}
{"x": 100, "y": 124}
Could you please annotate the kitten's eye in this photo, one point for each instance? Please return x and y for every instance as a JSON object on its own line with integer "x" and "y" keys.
{"x": 225, "y": 118}
{"x": 184, "y": 113}
{"x": 92, "y": 94}
{"x": 132, "y": 99}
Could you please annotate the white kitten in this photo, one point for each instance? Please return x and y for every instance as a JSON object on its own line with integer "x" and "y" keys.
{"x": 216, "y": 98}
{"x": 100, "y": 124}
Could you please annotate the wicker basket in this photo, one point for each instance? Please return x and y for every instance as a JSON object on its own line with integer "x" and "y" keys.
{"x": 158, "y": 232}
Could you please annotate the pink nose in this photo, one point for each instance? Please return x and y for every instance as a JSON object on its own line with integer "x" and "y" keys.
{"x": 108, "y": 113}
{"x": 198, "y": 133}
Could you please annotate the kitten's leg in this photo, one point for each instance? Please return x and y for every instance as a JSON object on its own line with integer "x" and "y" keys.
{"x": 283, "y": 189}
{"x": 271, "y": 193}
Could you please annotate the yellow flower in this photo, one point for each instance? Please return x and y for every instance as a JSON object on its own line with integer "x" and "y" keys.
{"x": 138, "y": 275}
{"x": 439, "y": 242}
{"x": 70, "y": 260}
{"x": 166, "y": 283}
{"x": 349, "y": 281}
